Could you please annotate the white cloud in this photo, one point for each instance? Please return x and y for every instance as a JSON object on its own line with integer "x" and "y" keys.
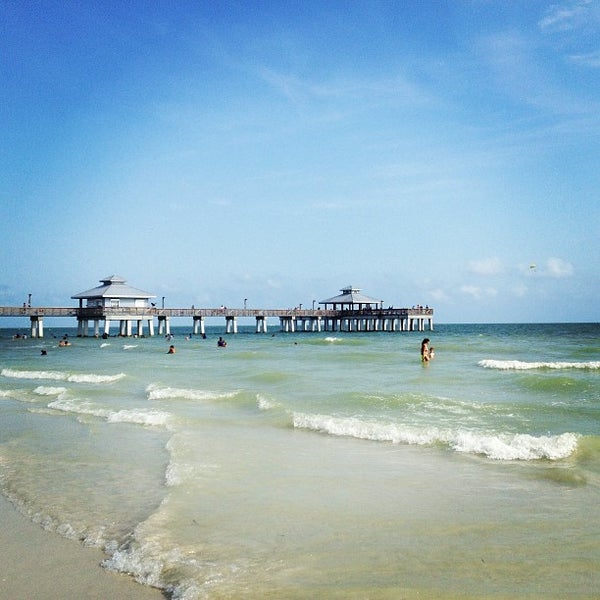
{"x": 566, "y": 16}
{"x": 301, "y": 90}
{"x": 486, "y": 266}
{"x": 439, "y": 295}
{"x": 557, "y": 267}
{"x": 478, "y": 293}
{"x": 591, "y": 59}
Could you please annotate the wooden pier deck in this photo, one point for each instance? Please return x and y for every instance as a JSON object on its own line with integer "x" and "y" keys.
{"x": 290, "y": 320}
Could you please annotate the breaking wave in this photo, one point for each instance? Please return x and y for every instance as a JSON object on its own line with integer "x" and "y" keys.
{"x": 62, "y": 376}
{"x": 43, "y": 390}
{"x": 519, "y": 365}
{"x": 158, "y": 392}
{"x": 153, "y": 418}
{"x": 493, "y": 445}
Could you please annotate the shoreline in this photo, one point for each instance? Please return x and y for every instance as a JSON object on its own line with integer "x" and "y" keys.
{"x": 38, "y": 564}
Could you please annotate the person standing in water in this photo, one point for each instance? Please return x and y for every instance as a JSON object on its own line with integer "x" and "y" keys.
{"x": 425, "y": 357}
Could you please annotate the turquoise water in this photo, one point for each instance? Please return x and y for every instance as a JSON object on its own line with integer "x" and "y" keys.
{"x": 316, "y": 464}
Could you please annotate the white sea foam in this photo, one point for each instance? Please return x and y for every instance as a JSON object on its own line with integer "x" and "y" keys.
{"x": 43, "y": 390}
{"x": 19, "y": 395}
{"x": 61, "y": 376}
{"x": 151, "y": 418}
{"x": 16, "y": 374}
{"x": 93, "y": 378}
{"x": 158, "y": 392}
{"x": 495, "y": 446}
{"x": 332, "y": 339}
{"x": 103, "y": 345}
{"x": 129, "y": 346}
{"x": 518, "y": 365}
{"x": 516, "y": 446}
{"x": 154, "y": 418}
{"x": 264, "y": 403}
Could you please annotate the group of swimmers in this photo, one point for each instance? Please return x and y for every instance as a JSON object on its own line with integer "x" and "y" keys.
{"x": 427, "y": 351}
{"x": 221, "y": 343}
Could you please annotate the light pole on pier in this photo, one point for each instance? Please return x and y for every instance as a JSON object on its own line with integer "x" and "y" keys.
{"x": 245, "y": 301}
{"x": 314, "y": 304}
{"x": 163, "y": 301}
{"x": 29, "y": 300}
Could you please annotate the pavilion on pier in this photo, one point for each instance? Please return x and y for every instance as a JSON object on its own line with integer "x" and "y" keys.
{"x": 114, "y": 301}
{"x": 351, "y": 299}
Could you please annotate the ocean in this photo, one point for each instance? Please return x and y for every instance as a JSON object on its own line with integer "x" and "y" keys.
{"x": 321, "y": 464}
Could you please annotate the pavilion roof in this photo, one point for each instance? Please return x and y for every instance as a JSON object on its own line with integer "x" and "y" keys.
{"x": 350, "y": 295}
{"x": 113, "y": 287}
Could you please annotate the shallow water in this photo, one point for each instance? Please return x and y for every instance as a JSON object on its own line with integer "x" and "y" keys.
{"x": 307, "y": 464}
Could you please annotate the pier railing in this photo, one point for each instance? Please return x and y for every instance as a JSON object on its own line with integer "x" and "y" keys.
{"x": 144, "y": 312}
{"x": 291, "y": 319}
{"x": 35, "y": 311}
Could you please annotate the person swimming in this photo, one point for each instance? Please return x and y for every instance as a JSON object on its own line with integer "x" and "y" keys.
{"x": 425, "y": 357}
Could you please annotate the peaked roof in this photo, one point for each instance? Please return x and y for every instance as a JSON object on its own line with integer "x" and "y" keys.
{"x": 350, "y": 295}
{"x": 113, "y": 287}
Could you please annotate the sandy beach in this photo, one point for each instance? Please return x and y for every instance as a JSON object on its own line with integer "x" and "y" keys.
{"x": 37, "y": 564}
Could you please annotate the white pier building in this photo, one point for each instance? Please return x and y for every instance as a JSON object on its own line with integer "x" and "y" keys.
{"x": 113, "y": 301}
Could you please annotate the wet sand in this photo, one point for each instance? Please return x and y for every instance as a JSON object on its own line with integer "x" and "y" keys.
{"x": 36, "y": 565}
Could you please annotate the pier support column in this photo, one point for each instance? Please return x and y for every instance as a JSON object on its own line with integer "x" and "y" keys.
{"x": 37, "y": 327}
{"x": 140, "y": 328}
{"x": 151, "y": 327}
{"x": 288, "y": 324}
{"x": 261, "y": 324}
{"x": 198, "y": 328}
{"x": 230, "y": 324}
{"x": 96, "y": 328}
{"x": 164, "y": 326}
{"x": 83, "y": 328}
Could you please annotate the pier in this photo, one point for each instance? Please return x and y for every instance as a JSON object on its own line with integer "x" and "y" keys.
{"x": 140, "y": 321}
{"x": 116, "y": 302}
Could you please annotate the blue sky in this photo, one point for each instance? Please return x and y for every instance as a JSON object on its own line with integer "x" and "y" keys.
{"x": 425, "y": 152}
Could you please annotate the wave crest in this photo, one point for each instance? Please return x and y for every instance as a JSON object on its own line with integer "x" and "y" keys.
{"x": 62, "y": 376}
{"x": 158, "y": 392}
{"x": 519, "y": 365}
{"x": 151, "y": 418}
{"x": 495, "y": 446}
